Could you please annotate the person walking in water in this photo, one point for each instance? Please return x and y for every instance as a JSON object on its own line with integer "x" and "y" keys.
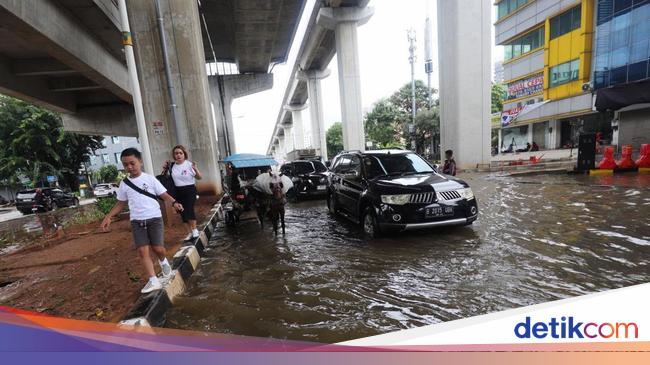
{"x": 450, "y": 164}
{"x": 141, "y": 191}
{"x": 185, "y": 173}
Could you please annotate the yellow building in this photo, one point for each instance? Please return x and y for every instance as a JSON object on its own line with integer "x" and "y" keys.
{"x": 547, "y": 70}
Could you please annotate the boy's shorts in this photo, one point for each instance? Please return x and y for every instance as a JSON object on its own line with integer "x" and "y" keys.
{"x": 148, "y": 232}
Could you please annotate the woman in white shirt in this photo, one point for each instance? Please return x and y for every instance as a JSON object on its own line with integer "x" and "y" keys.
{"x": 185, "y": 173}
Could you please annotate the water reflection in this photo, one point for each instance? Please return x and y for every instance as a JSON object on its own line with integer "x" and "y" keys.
{"x": 537, "y": 239}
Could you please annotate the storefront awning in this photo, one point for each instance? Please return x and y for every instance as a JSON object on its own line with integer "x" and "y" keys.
{"x": 620, "y": 96}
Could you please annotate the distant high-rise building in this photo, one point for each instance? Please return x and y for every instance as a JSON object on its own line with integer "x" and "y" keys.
{"x": 498, "y": 72}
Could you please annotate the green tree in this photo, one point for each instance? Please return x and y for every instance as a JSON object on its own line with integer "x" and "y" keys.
{"x": 401, "y": 99}
{"x": 427, "y": 124}
{"x": 334, "y": 138}
{"x": 381, "y": 125}
{"x": 499, "y": 94}
{"x": 35, "y": 144}
{"x": 108, "y": 173}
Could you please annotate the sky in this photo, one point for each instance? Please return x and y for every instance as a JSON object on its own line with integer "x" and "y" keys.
{"x": 383, "y": 56}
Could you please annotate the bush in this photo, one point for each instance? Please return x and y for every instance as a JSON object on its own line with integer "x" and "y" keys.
{"x": 106, "y": 204}
{"x": 88, "y": 216}
{"x": 108, "y": 173}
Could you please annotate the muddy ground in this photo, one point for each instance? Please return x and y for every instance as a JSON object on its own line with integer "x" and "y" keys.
{"x": 84, "y": 274}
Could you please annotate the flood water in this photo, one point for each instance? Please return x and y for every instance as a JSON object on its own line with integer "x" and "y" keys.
{"x": 537, "y": 239}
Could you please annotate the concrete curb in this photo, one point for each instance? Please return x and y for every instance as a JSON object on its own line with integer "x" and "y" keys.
{"x": 150, "y": 309}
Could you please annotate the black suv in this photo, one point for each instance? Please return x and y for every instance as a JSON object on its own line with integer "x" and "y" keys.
{"x": 52, "y": 198}
{"x": 396, "y": 190}
{"x": 308, "y": 177}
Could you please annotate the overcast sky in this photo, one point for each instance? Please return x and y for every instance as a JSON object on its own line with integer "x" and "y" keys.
{"x": 383, "y": 55}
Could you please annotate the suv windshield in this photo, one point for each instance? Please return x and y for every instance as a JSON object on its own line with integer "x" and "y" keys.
{"x": 319, "y": 166}
{"x": 303, "y": 168}
{"x": 395, "y": 164}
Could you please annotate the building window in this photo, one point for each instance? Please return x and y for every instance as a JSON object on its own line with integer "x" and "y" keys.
{"x": 566, "y": 22}
{"x": 115, "y": 139}
{"x": 564, "y": 73}
{"x": 507, "y": 7}
{"x": 104, "y": 142}
{"x": 117, "y": 158}
{"x": 524, "y": 44}
{"x": 93, "y": 160}
{"x": 105, "y": 158}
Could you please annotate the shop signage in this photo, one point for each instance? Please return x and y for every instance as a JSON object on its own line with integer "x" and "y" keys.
{"x": 527, "y": 86}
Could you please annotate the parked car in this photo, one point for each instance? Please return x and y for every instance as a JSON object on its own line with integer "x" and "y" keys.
{"x": 398, "y": 190}
{"x": 308, "y": 177}
{"x": 105, "y": 190}
{"x": 53, "y": 198}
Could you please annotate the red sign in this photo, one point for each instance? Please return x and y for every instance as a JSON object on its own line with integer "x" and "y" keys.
{"x": 527, "y": 86}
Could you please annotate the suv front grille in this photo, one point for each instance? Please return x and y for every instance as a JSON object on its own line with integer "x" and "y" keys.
{"x": 448, "y": 195}
{"x": 422, "y": 198}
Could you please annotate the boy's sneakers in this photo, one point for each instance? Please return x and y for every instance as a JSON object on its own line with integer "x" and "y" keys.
{"x": 188, "y": 237}
{"x": 152, "y": 284}
{"x": 195, "y": 233}
{"x": 166, "y": 269}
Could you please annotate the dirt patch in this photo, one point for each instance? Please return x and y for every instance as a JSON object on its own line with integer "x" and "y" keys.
{"x": 84, "y": 274}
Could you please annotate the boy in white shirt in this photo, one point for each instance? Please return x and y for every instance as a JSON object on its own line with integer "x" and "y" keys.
{"x": 141, "y": 191}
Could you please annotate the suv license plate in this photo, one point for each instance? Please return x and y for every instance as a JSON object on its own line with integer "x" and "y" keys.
{"x": 439, "y": 212}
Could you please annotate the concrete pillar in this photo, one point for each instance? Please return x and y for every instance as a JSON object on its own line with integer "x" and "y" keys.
{"x": 554, "y": 135}
{"x": 225, "y": 89}
{"x": 298, "y": 127}
{"x": 288, "y": 138}
{"x": 500, "y": 140}
{"x": 465, "y": 79}
{"x": 187, "y": 60}
{"x": 344, "y": 22}
{"x": 281, "y": 152}
{"x": 318, "y": 136}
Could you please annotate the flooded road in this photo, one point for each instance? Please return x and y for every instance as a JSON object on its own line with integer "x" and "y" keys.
{"x": 537, "y": 239}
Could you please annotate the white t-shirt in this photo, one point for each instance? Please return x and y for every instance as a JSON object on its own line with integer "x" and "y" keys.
{"x": 183, "y": 174}
{"x": 141, "y": 206}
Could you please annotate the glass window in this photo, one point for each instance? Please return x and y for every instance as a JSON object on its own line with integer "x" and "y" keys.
{"x": 639, "y": 51}
{"x": 524, "y": 44}
{"x": 566, "y": 22}
{"x": 342, "y": 164}
{"x": 637, "y": 71}
{"x": 373, "y": 167}
{"x": 620, "y": 5}
{"x": 618, "y": 75}
{"x": 105, "y": 158}
{"x": 507, "y": 7}
{"x": 564, "y": 73}
{"x": 404, "y": 163}
{"x": 319, "y": 167}
{"x": 115, "y": 139}
{"x": 93, "y": 159}
{"x": 104, "y": 142}
{"x": 117, "y": 158}
{"x": 620, "y": 57}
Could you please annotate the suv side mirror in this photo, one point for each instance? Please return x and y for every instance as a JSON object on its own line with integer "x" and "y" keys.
{"x": 436, "y": 167}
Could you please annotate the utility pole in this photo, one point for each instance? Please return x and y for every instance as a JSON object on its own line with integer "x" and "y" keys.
{"x": 411, "y": 37}
{"x": 135, "y": 88}
{"x": 428, "y": 68}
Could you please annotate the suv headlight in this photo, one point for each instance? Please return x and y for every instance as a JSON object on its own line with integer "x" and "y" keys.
{"x": 466, "y": 193}
{"x": 399, "y": 199}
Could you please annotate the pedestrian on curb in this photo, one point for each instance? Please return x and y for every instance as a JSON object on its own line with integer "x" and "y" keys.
{"x": 141, "y": 191}
{"x": 185, "y": 173}
{"x": 450, "y": 164}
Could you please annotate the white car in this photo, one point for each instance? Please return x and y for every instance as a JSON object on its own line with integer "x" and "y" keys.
{"x": 105, "y": 190}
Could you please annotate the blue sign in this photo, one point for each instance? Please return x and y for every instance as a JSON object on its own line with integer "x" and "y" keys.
{"x": 51, "y": 178}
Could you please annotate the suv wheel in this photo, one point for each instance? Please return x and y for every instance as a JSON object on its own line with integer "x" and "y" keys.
{"x": 331, "y": 203}
{"x": 370, "y": 225}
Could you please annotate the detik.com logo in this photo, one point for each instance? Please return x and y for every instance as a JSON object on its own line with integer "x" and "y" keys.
{"x": 568, "y": 327}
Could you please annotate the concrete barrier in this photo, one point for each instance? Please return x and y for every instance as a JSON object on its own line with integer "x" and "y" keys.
{"x": 150, "y": 309}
